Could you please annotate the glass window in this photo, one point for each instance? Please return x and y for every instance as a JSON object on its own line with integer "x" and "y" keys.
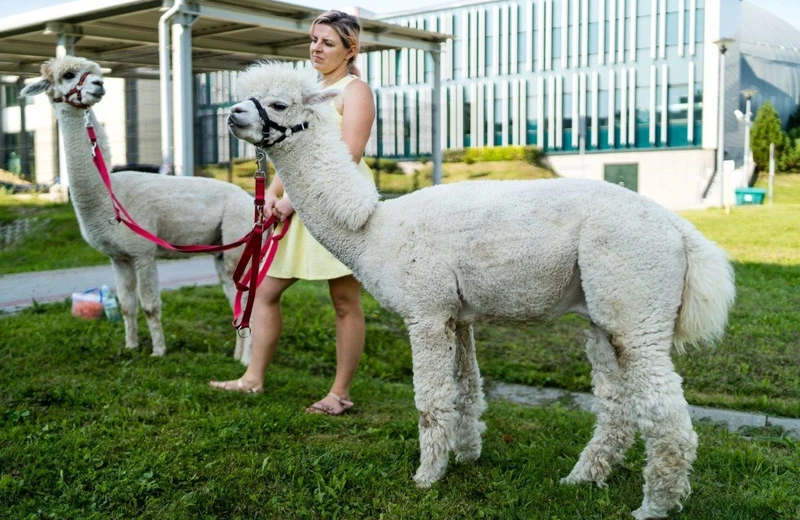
{"x": 672, "y": 29}
{"x": 643, "y": 32}
{"x": 594, "y": 38}
{"x": 643, "y": 8}
{"x": 677, "y": 103}
{"x": 557, "y": 42}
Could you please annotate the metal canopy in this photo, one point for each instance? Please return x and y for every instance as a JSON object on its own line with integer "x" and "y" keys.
{"x": 122, "y": 35}
{"x": 133, "y": 38}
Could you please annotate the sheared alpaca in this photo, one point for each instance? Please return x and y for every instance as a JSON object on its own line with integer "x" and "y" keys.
{"x": 528, "y": 251}
{"x": 180, "y": 210}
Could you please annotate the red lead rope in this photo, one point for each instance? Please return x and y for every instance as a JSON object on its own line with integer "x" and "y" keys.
{"x": 248, "y": 266}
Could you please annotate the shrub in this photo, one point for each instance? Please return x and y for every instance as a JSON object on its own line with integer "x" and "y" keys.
{"x": 382, "y": 165}
{"x": 766, "y": 130}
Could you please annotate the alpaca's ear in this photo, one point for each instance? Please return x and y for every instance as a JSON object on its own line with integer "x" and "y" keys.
{"x": 318, "y": 98}
{"x": 35, "y": 88}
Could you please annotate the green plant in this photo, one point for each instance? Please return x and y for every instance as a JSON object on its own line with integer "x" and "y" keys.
{"x": 766, "y": 130}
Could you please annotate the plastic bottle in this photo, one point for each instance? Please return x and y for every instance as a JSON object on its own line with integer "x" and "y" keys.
{"x": 110, "y": 305}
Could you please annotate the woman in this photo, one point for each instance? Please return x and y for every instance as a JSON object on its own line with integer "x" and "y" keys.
{"x": 334, "y": 47}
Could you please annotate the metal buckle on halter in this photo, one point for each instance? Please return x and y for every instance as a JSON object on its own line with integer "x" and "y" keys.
{"x": 244, "y": 332}
{"x": 87, "y": 116}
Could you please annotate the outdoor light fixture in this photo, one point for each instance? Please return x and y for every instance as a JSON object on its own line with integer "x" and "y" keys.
{"x": 723, "y": 44}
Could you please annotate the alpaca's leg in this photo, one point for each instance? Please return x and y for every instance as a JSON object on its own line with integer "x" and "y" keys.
{"x": 125, "y": 279}
{"x": 662, "y": 415}
{"x": 147, "y": 282}
{"x": 614, "y": 432}
{"x": 433, "y": 348}
{"x": 470, "y": 403}
{"x": 225, "y": 264}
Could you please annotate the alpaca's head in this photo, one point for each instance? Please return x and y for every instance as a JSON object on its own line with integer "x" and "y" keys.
{"x": 72, "y": 80}
{"x": 289, "y": 96}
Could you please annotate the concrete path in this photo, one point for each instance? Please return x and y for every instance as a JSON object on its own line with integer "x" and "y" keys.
{"x": 734, "y": 421}
{"x": 18, "y": 291}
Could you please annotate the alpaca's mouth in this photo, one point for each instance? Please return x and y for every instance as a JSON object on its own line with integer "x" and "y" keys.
{"x": 232, "y": 121}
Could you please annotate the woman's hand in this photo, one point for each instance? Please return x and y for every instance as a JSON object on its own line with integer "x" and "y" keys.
{"x": 283, "y": 208}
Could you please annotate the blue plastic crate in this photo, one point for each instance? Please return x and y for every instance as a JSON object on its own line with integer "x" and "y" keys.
{"x": 746, "y": 196}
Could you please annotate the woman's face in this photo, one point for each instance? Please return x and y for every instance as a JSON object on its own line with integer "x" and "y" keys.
{"x": 327, "y": 50}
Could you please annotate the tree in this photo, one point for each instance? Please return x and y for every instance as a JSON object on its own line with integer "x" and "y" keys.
{"x": 793, "y": 124}
{"x": 767, "y": 129}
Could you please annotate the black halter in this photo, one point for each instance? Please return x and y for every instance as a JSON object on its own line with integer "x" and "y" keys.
{"x": 268, "y": 123}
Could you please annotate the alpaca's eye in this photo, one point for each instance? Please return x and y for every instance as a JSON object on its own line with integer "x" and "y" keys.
{"x": 278, "y": 106}
{"x": 68, "y": 75}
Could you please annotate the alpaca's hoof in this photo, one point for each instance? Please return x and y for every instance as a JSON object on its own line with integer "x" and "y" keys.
{"x": 424, "y": 479}
{"x": 645, "y": 513}
{"x": 572, "y": 480}
{"x": 467, "y": 454}
{"x": 132, "y": 347}
{"x": 158, "y": 353}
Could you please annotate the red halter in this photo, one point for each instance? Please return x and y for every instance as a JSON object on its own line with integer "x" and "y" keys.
{"x": 75, "y": 90}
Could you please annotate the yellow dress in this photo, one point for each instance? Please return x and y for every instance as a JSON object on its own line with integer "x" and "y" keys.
{"x": 299, "y": 255}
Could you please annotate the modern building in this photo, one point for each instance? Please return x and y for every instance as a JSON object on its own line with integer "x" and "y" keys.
{"x": 622, "y": 90}
{"x": 626, "y": 90}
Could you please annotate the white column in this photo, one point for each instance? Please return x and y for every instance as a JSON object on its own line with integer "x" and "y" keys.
{"x": 690, "y": 107}
{"x": 565, "y": 32}
{"x": 611, "y": 108}
{"x": 454, "y": 142}
{"x": 653, "y": 86}
{"x": 473, "y": 116}
{"x": 681, "y": 25}
{"x": 490, "y": 114}
{"x": 612, "y": 31}
{"x": 559, "y": 111}
{"x": 662, "y": 29}
{"x": 653, "y": 28}
{"x": 384, "y": 67}
{"x": 504, "y": 112}
{"x": 529, "y": 35}
{"x": 540, "y": 35}
{"x": 479, "y": 117}
{"x": 182, "y": 90}
{"x": 633, "y": 24}
{"x": 400, "y": 130}
{"x": 595, "y": 108}
{"x": 504, "y": 58}
{"x": 465, "y": 44}
{"x": 443, "y": 117}
{"x": 393, "y": 67}
{"x": 481, "y": 43}
{"x": 549, "y": 36}
{"x": 514, "y": 101}
{"x": 522, "y": 126}
{"x": 436, "y": 131}
{"x": 575, "y": 109}
{"x": 412, "y": 58}
{"x": 582, "y": 104}
{"x": 551, "y": 112}
{"x": 623, "y": 107}
{"x": 496, "y": 37}
{"x": 664, "y": 101}
{"x": 601, "y": 39}
{"x": 540, "y": 112}
{"x": 413, "y": 106}
{"x": 692, "y": 25}
{"x": 621, "y": 31}
{"x": 421, "y": 55}
{"x": 632, "y": 108}
{"x": 460, "y": 116}
{"x": 575, "y": 24}
{"x": 585, "y": 33}
{"x": 473, "y": 44}
{"x": 389, "y": 120}
{"x": 514, "y": 35}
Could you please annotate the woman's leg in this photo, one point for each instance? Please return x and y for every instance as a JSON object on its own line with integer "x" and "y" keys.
{"x": 267, "y": 323}
{"x": 350, "y": 332}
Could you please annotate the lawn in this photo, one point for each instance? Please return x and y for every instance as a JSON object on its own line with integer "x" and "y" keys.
{"x": 90, "y": 430}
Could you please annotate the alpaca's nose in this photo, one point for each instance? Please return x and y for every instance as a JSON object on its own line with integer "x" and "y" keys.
{"x": 238, "y": 110}
{"x": 98, "y": 82}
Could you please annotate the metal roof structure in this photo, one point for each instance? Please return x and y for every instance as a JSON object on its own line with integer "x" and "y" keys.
{"x": 122, "y": 35}
{"x": 174, "y": 39}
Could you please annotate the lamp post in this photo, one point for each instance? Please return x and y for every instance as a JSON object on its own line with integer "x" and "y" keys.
{"x": 723, "y": 45}
{"x": 748, "y": 94}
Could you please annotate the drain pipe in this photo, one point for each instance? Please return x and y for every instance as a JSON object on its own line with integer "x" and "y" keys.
{"x": 166, "y": 91}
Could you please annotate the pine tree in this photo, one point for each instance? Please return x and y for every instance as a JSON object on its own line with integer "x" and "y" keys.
{"x": 767, "y": 129}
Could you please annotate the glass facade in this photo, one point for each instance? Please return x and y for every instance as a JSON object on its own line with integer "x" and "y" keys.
{"x": 560, "y": 74}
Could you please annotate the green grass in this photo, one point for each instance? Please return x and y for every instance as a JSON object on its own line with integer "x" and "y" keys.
{"x": 90, "y": 430}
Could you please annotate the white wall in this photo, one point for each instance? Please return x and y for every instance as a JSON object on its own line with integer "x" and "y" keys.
{"x": 673, "y": 178}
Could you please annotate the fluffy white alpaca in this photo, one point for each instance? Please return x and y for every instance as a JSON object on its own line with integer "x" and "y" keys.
{"x": 180, "y": 210}
{"x": 445, "y": 256}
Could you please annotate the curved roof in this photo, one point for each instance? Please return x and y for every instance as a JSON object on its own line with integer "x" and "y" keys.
{"x": 767, "y": 35}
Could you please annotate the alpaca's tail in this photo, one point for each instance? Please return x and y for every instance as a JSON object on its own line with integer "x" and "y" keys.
{"x": 708, "y": 290}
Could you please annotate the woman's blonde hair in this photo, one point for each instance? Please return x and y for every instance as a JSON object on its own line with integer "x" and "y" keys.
{"x": 349, "y": 30}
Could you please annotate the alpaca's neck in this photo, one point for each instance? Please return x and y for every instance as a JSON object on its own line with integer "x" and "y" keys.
{"x": 86, "y": 187}
{"x": 318, "y": 174}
